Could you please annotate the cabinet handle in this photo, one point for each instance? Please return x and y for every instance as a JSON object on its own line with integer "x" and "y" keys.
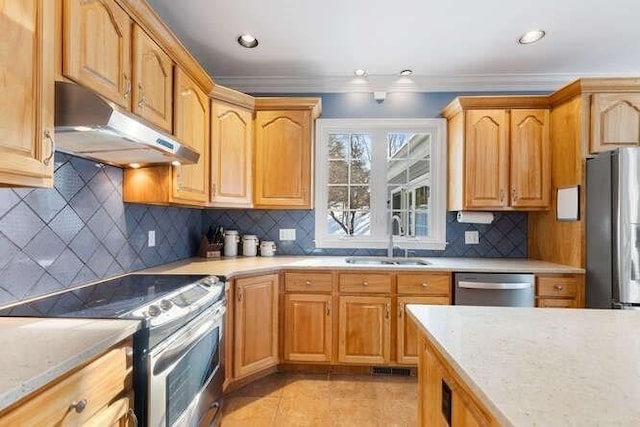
{"x": 127, "y": 86}
{"x": 239, "y": 294}
{"x": 387, "y": 310}
{"x": 79, "y": 406}
{"x": 514, "y": 194}
{"x": 329, "y": 309}
{"x": 213, "y": 190}
{"x": 558, "y": 287}
{"x": 132, "y": 417}
{"x": 52, "y": 145}
{"x": 308, "y": 283}
{"x": 502, "y": 196}
{"x": 365, "y": 283}
{"x": 400, "y": 310}
{"x": 142, "y": 99}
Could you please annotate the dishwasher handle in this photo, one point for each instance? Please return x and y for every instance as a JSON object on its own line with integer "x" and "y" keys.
{"x": 499, "y": 286}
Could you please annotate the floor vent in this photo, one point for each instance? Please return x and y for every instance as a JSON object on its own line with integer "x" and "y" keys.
{"x": 397, "y": 372}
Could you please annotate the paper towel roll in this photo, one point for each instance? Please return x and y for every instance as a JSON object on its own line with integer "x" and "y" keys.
{"x": 475, "y": 217}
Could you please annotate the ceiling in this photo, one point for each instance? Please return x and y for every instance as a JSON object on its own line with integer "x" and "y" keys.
{"x": 314, "y": 46}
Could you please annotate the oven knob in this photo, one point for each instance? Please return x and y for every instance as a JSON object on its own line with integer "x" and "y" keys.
{"x": 165, "y": 304}
{"x": 154, "y": 311}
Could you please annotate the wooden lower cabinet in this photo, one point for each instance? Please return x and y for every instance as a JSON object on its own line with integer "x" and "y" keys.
{"x": 364, "y": 329}
{"x": 443, "y": 400}
{"x": 104, "y": 385}
{"x": 308, "y": 325}
{"x": 560, "y": 290}
{"x": 407, "y": 332}
{"x": 255, "y": 324}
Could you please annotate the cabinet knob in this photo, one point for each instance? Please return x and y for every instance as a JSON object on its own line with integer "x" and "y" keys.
{"x": 365, "y": 283}
{"x": 79, "y": 406}
{"x": 558, "y": 287}
{"x": 52, "y": 147}
{"x": 424, "y": 284}
{"x": 502, "y": 195}
{"x": 308, "y": 282}
{"x": 514, "y": 194}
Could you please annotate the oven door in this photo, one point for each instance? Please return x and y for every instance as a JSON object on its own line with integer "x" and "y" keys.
{"x": 186, "y": 374}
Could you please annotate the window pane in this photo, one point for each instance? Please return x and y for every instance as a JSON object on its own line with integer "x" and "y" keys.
{"x": 338, "y": 172}
{"x": 361, "y": 146}
{"x": 422, "y": 223}
{"x": 397, "y": 172}
{"x": 418, "y": 169}
{"x": 349, "y": 222}
{"x": 360, "y": 197}
{"x": 338, "y": 146}
{"x": 422, "y": 197}
{"x": 419, "y": 145}
{"x": 360, "y": 171}
{"x": 338, "y": 198}
{"x": 397, "y": 144}
{"x": 361, "y": 222}
{"x": 337, "y": 221}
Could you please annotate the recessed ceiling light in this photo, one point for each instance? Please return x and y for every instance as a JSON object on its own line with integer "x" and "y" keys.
{"x": 360, "y": 72}
{"x": 531, "y": 36}
{"x": 247, "y": 40}
{"x": 406, "y": 73}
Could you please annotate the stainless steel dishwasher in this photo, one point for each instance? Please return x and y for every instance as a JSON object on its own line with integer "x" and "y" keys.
{"x": 494, "y": 289}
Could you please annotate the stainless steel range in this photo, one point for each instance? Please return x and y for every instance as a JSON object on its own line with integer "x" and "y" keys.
{"x": 178, "y": 356}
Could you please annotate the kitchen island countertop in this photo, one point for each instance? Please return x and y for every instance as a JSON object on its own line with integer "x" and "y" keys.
{"x": 34, "y": 352}
{"x": 533, "y": 366}
{"x": 233, "y": 266}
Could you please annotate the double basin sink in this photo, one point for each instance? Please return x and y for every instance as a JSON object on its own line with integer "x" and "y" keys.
{"x": 386, "y": 261}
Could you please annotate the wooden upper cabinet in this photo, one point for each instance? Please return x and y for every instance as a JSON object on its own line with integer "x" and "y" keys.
{"x": 231, "y": 155}
{"x": 27, "y": 88}
{"x": 499, "y": 157}
{"x": 615, "y": 121}
{"x": 191, "y": 126}
{"x": 97, "y": 47}
{"x": 487, "y": 158}
{"x": 255, "y": 324}
{"x": 530, "y": 158}
{"x": 152, "y": 81}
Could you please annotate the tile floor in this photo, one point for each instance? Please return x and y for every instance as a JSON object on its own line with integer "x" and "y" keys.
{"x": 295, "y": 400}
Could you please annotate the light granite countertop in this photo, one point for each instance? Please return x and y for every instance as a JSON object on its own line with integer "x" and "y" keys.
{"x": 35, "y": 352}
{"x": 230, "y": 267}
{"x": 543, "y": 367}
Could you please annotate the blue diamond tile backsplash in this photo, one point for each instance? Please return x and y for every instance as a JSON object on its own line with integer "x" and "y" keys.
{"x": 81, "y": 231}
{"x": 506, "y": 236}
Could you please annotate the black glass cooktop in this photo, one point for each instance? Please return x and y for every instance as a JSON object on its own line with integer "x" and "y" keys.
{"x": 109, "y": 299}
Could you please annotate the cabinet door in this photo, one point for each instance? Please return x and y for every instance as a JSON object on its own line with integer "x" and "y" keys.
{"x": 191, "y": 125}
{"x": 615, "y": 121}
{"x": 231, "y": 155}
{"x": 152, "y": 81}
{"x": 557, "y": 303}
{"x": 486, "y": 159}
{"x": 97, "y": 47}
{"x": 530, "y": 160}
{"x": 307, "y": 328}
{"x": 283, "y": 159}
{"x": 364, "y": 330}
{"x": 26, "y": 85}
{"x": 430, "y": 389}
{"x": 256, "y": 325}
{"x": 407, "y": 338}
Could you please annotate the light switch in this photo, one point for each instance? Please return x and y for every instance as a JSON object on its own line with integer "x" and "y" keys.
{"x": 152, "y": 238}
{"x": 287, "y": 234}
{"x": 471, "y": 238}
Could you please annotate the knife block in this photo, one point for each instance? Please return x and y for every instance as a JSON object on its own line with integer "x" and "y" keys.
{"x": 209, "y": 250}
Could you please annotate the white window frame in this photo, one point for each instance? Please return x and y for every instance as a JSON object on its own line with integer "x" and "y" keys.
{"x": 379, "y": 237}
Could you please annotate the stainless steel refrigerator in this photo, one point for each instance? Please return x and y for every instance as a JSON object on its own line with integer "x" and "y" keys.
{"x": 613, "y": 229}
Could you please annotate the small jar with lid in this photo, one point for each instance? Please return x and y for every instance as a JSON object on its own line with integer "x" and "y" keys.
{"x": 267, "y": 248}
{"x": 231, "y": 240}
{"x": 249, "y": 245}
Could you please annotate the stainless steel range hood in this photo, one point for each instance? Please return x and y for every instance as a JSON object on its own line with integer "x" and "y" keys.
{"x": 87, "y": 125}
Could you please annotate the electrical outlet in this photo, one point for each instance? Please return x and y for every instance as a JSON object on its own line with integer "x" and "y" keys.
{"x": 471, "y": 238}
{"x": 152, "y": 238}
{"x": 287, "y": 234}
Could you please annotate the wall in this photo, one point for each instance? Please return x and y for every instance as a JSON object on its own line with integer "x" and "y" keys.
{"x": 505, "y": 237}
{"x": 80, "y": 231}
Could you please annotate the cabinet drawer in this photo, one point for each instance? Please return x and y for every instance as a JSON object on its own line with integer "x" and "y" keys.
{"x": 305, "y": 282}
{"x": 558, "y": 286}
{"x": 557, "y": 302}
{"x": 365, "y": 283}
{"x": 97, "y": 383}
{"x": 424, "y": 284}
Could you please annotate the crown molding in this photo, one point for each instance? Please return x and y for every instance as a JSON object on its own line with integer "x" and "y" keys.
{"x": 463, "y": 83}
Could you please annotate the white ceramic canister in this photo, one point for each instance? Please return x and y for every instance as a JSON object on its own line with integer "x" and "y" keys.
{"x": 231, "y": 240}
{"x": 249, "y": 245}
{"x": 267, "y": 248}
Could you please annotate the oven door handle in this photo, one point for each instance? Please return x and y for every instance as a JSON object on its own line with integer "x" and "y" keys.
{"x": 175, "y": 352}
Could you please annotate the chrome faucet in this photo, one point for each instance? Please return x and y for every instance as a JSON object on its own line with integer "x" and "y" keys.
{"x": 398, "y": 220}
